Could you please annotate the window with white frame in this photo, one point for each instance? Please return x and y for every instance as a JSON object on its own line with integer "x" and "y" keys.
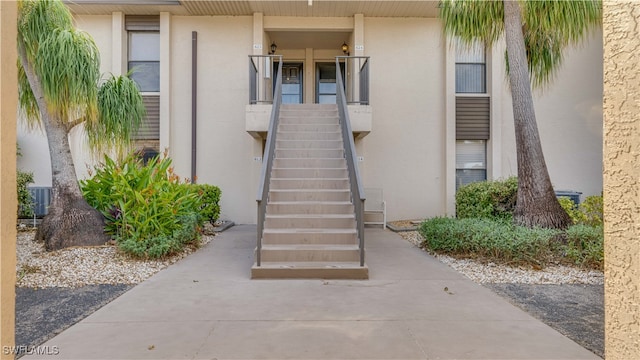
{"x": 144, "y": 59}
{"x": 471, "y": 74}
{"x": 143, "y": 63}
{"x": 471, "y": 161}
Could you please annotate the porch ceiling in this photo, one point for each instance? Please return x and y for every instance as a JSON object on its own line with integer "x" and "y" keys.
{"x": 304, "y": 39}
{"x": 319, "y": 8}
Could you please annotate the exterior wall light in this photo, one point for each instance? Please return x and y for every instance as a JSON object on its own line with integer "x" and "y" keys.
{"x": 273, "y": 48}
{"x": 345, "y": 48}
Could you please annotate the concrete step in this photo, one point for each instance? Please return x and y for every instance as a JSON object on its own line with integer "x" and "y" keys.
{"x": 310, "y": 221}
{"x": 322, "y": 119}
{"x": 309, "y": 153}
{"x": 310, "y": 207}
{"x": 310, "y": 228}
{"x": 310, "y": 270}
{"x": 309, "y": 173}
{"x": 309, "y": 183}
{"x": 310, "y": 163}
{"x": 307, "y": 135}
{"x": 296, "y": 253}
{"x": 309, "y": 195}
{"x": 288, "y": 107}
{"x": 309, "y": 127}
{"x": 325, "y": 236}
{"x": 309, "y": 144}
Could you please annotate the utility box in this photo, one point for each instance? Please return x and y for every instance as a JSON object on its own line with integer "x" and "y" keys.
{"x": 41, "y": 200}
{"x": 573, "y": 195}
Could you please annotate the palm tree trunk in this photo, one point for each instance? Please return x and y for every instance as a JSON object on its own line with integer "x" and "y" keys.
{"x": 71, "y": 221}
{"x": 537, "y": 204}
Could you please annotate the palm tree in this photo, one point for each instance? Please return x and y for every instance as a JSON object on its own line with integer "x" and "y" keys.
{"x": 59, "y": 74}
{"x": 536, "y": 33}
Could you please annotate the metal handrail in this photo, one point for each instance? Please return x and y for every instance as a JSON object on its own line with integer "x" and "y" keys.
{"x": 357, "y": 191}
{"x": 267, "y": 160}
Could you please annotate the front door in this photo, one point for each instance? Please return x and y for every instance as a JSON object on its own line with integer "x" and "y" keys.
{"x": 326, "y": 82}
{"x": 291, "y": 83}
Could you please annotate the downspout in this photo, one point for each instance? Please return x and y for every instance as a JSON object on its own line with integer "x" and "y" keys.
{"x": 194, "y": 102}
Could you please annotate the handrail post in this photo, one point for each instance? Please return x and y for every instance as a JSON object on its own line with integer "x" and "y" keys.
{"x": 269, "y": 152}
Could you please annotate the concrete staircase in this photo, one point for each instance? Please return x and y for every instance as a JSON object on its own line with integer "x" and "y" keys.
{"x": 310, "y": 225}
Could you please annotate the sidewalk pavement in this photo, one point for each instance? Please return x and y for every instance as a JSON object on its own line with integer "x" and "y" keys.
{"x": 412, "y": 307}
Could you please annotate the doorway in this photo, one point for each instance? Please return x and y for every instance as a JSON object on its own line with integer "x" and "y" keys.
{"x": 326, "y": 82}
{"x": 292, "y": 83}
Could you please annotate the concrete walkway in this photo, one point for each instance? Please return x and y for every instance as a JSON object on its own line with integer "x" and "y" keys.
{"x": 413, "y": 307}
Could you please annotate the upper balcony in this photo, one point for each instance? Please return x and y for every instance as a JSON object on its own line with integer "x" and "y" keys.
{"x": 262, "y": 72}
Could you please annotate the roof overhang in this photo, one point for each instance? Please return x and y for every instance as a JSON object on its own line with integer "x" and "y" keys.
{"x": 305, "y": 8}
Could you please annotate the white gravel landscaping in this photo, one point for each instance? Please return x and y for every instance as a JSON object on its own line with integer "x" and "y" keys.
{"x": 76, "y": 267}
{"x": 494, "y": 273}
{"x": 79, "y": 266}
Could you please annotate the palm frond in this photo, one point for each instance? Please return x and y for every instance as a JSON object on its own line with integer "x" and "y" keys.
{"x": 550, "y": 27}
{"x": 68, "y": 65}
{"x": 37, "y": 19}
{"x": 120, "y": 114}
{"x": 472, "y": 21}
{"x": 28, "y": 105}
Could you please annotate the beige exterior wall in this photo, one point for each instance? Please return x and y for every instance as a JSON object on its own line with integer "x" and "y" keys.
{"x": 225, "y": 149}
{"x": 569, "y": 116}
{"x": 404, "y": 153}
{"x": 8, "y": 196}
{"x": 410, "y": 151}
{"x": 621, "y": 180}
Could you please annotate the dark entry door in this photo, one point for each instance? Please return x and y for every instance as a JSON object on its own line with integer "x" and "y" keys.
{"x": 291, "y": 83}
{"x": 326, "y": 82}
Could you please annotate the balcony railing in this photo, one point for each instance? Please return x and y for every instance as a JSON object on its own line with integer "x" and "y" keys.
{"x": 261, "y": 78}
{"x": 356, "y": 78}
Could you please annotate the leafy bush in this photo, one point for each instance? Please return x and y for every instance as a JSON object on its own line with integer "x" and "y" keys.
{"x": 487, "y": 199}
{"x": 161, "y": 245}
{"x": 590, "y": 212}
{"x": 572, "y": 210}
{"x": 593, "y": 209}
{"x": 210, "y": 198}
{"x": 149, "y": 211}
{"x": 25, "y": 201}
{"x": 498, "y": 240}
{"x": 585, "y": 245}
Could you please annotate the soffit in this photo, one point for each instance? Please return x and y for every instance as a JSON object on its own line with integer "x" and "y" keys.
{"x": 305, "y": 39}
{"x": 319, "y": 8}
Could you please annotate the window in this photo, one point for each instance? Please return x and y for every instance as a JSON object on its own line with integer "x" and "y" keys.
{"x": 473, "y": 115}
{"x": 471, "y": 69}
{"x": 144, "y": 59}
{"x": 471, "y": 161}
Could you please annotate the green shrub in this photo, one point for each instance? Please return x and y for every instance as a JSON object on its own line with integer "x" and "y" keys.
{"x": 210, "y": 198}
{"x": 149, "y": 211}
{"x": 572, "y": 210}
{"x": 585, "y": 245}
{"x": 25, "y": 201}
{"x": 593, "y": 210}
{"x": 589, "y": 212}
{"x": 487, "y": 199}
{"x": 498, "y": 240}
{"x": 161, "y": 245}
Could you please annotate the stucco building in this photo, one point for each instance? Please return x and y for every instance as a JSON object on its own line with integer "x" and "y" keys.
{"x": 435, "y": 116}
